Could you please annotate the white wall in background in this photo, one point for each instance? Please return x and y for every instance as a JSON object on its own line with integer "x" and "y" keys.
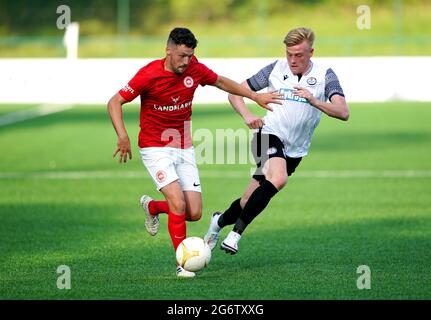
{"x": 82, "y": 81}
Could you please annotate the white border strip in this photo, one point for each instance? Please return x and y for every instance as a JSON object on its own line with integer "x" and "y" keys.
{"x": 66, "y": 82}
{"x": 230, "y": 174}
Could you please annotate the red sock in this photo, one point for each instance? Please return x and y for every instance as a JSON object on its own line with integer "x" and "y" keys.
{"x": 157, "y": 207}
{"x": 177, "y": 228}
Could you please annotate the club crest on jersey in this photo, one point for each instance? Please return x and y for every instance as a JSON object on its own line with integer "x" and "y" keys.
{"x": 312, "y": 81}
{"x": 188, "y": 81}
{"x": 160, "y": 176}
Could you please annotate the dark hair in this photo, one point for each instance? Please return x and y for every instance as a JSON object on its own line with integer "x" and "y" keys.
{"x": 183, "y": 36}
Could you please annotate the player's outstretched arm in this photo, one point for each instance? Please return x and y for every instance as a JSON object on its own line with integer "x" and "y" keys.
{"x": 115, "y": 111}
{"x": 337, "y": 108}
{"x": 262, "y": 99}
{"x": 237, "y": 102}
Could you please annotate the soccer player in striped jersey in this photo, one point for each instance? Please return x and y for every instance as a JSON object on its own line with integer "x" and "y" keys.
{"x": 283, "y": 136}
{"x": 166, "y": 88}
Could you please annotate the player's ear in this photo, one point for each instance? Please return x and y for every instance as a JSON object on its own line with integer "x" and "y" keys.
{"x": 311, "y": 51}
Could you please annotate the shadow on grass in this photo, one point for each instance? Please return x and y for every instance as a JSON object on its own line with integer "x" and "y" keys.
{"x": 369, "y": 140}
{"x": 80, "y": 116}
{"x": 112, "y": 257}
{"x": 47, "y": 227}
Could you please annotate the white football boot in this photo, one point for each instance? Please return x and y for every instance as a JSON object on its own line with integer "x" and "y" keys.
{"x": 212, "y": 235}
{"x": 151, "y": 222}
{"x": 183, "y": 273}
{"x": 230, "y": 244}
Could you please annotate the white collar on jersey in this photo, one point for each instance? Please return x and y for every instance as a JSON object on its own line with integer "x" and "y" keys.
{"x": 310, "y": 67}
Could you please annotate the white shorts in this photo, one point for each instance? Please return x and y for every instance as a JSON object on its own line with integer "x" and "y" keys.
{"x": 166, "y": 164}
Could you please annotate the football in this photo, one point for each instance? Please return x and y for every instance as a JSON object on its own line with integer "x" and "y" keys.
{"x": 193, "y": 254}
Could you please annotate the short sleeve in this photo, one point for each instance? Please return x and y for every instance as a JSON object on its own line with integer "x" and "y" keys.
{"x": 261, "y": 79}
{"x": 332, "y": 85}
{"x": 136, "y": 86}
{"x": 207, "y": 75}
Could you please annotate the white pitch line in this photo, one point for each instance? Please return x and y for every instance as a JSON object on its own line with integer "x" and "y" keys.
{"x": 39, "y": 111}
{"x": 219, "y": 174}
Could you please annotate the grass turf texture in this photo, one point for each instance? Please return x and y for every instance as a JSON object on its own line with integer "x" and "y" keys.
{"x": 306, "y": 245}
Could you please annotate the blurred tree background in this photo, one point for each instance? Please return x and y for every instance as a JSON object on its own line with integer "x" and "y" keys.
{"x": 224, "y": 28}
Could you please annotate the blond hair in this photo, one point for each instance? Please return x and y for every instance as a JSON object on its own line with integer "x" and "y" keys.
{"x": 298, "y": 35}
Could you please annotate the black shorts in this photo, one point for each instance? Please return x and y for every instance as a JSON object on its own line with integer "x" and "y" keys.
{"x": 267, "y": 146}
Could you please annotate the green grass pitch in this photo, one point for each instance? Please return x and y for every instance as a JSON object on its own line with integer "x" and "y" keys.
{"x": 361, "y": 197}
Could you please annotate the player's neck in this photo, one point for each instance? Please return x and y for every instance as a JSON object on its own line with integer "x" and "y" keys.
{"x": 167, "y": 66}
{"x": 307, "y": 70}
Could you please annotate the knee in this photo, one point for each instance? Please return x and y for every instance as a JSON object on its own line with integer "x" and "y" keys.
{"x": 243, "y": 201}
{"x": 177, "y": 205}
{"x": 195, "y": 215}
{"x": 279, "y": 181}
{"x": 194, "y": 212}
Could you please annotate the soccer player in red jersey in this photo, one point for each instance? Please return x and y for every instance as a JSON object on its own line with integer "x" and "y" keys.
{"x": 166, "y": 87}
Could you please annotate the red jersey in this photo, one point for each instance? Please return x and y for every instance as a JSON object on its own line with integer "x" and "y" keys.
{"x": 166, "y": 102}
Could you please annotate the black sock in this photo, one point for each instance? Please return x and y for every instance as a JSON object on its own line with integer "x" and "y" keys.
{"x": 230, "y": 215}
{"x": 257, "y": 202}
